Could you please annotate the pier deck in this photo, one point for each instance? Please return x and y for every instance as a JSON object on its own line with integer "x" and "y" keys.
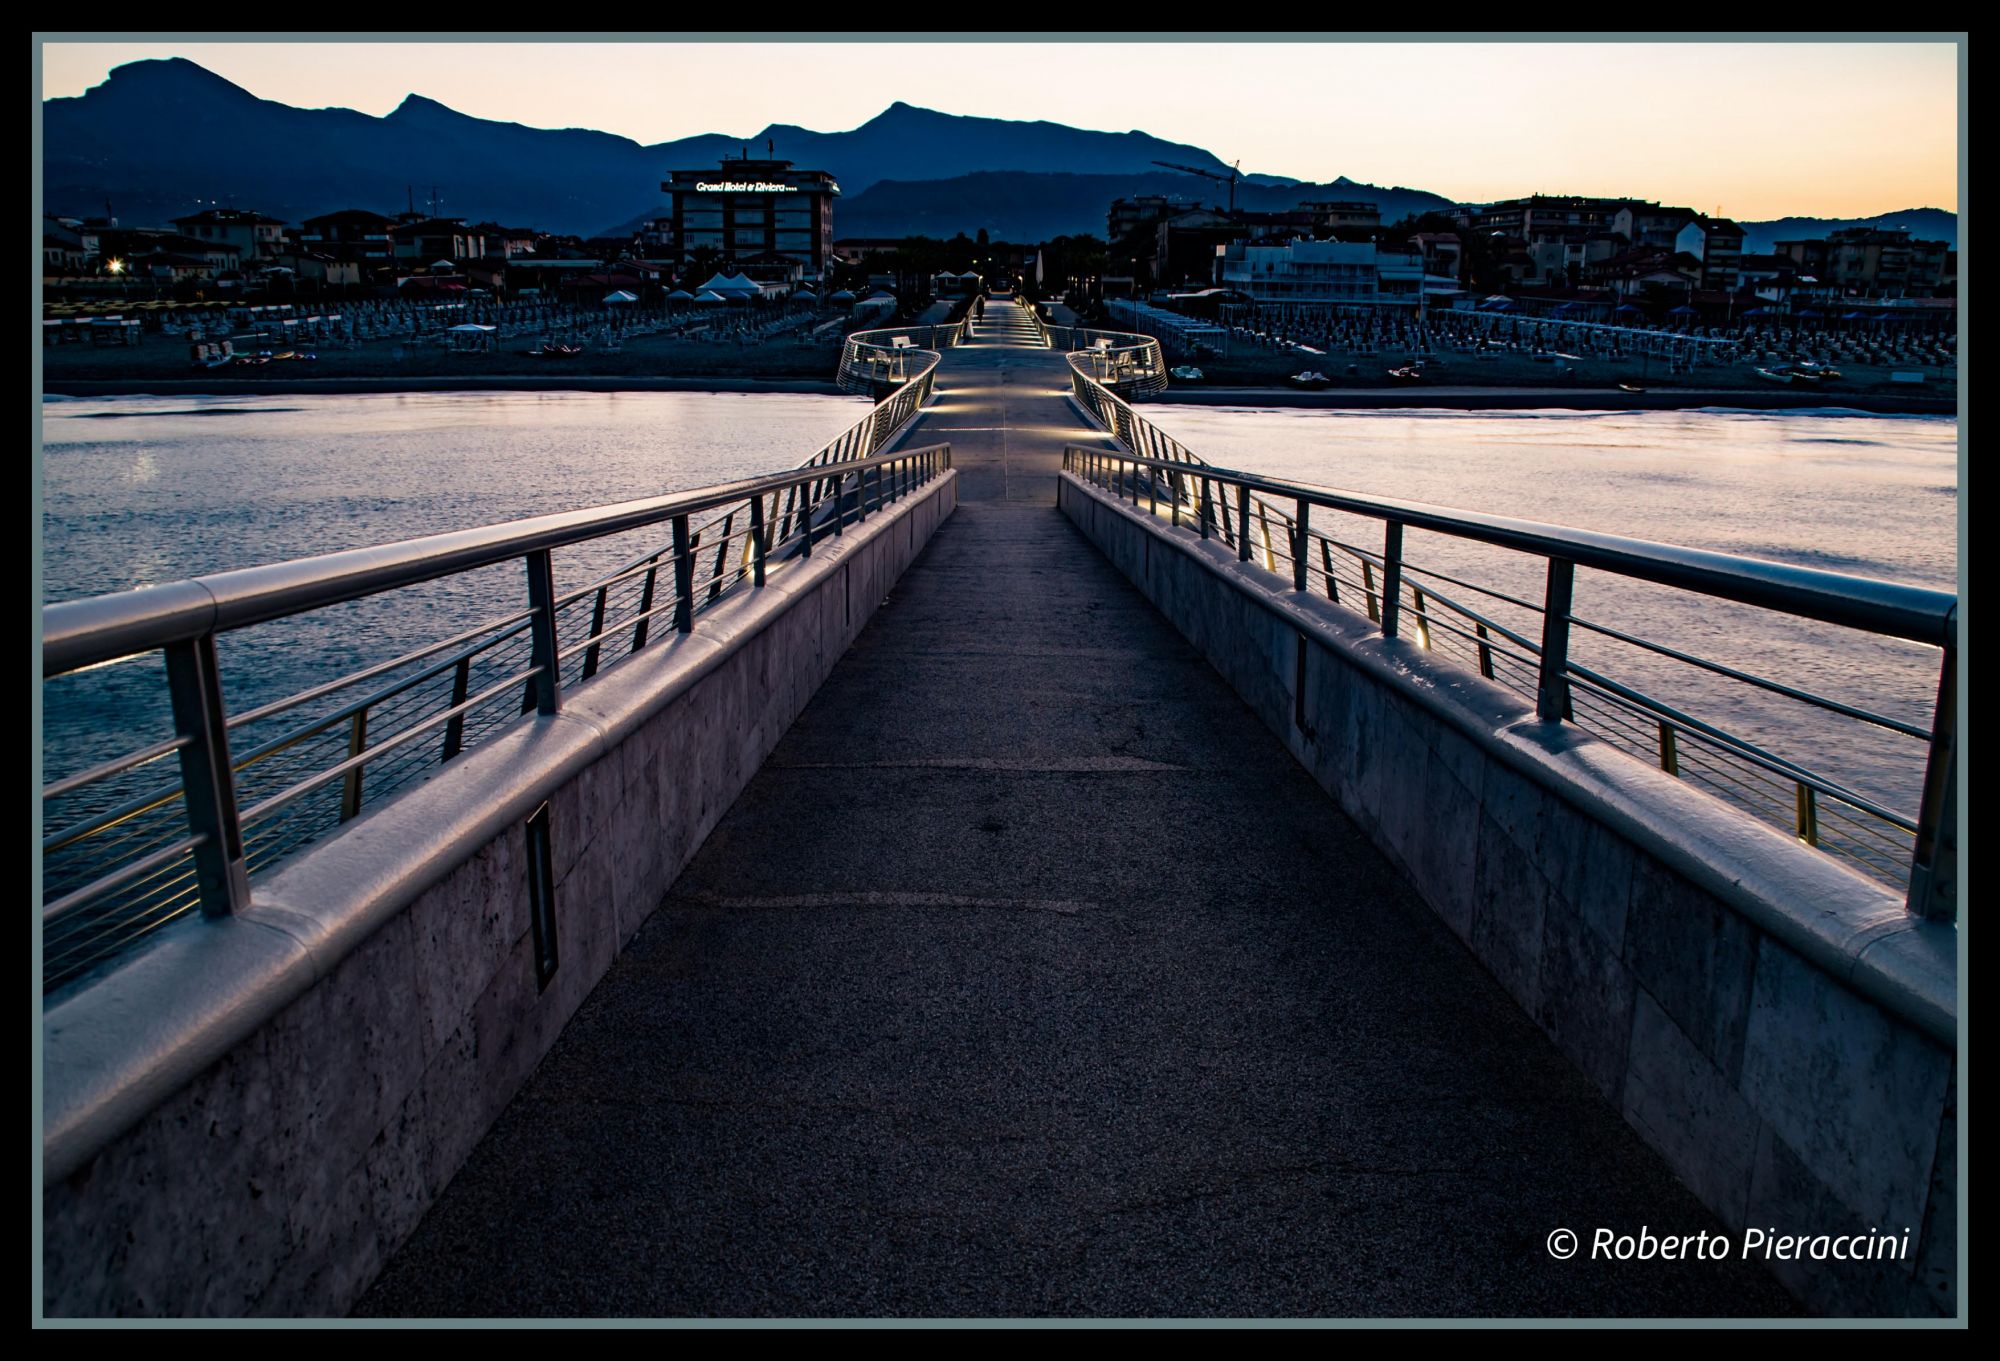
{"x": 1031, "y": 976}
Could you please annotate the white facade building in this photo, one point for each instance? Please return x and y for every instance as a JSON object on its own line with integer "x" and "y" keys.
{"x": 1328, "y": 274}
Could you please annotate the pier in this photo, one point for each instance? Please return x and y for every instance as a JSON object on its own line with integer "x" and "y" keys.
{"x": 1006, "y": 894}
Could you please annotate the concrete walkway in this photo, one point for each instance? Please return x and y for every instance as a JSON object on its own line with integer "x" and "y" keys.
{"x": 1031, "y": 976}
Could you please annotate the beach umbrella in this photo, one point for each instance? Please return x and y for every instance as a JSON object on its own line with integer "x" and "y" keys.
{"x": 680, "y": 295}
{"x": 618, "y": 296}
{"x": 708, "y": 297}
{"x": 1684, "y": 311}
{"x": 840, "y": 295}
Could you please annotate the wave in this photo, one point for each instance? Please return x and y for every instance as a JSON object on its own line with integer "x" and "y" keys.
{"x": 187, "y": 411}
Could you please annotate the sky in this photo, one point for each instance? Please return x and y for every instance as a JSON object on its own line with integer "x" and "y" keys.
{"x": 1749, "y": 130}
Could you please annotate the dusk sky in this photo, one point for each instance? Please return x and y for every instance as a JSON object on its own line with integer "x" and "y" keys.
{"x": 1753, "y": 130}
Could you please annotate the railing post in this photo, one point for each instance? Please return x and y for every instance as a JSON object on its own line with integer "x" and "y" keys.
{"x": 721, "y": 557}
{"x": 208, "y": 783}
{"x": 1203, "y": 509}
{"x": 454, "y": 727}
{"x": 1808, "y": 814}
{"x": 1326, "y": 565}
{"x": 758, "y": 548}
{"x": 640, "y": 630}
{"x": 1243, "y": 522}
{"x": 1423, "y": 619}
{"x": 1552, "y": 693}
{"x": 1670, "y": 748}
{"x": 1934, "y": 864}
{"x": 1392, "y": 577}
{"x": 350, "y": 785}
{"x": 683, "y": 577}
{"x": 1368, "y": 590}
{"x": 542, "y": 631}
{"x": 1485, "y": 650}
{"x": 1301, "y": 546}
{"x": 590, "y": 653}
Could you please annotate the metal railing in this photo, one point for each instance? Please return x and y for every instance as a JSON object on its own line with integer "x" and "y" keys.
{"x": 889, "y": 359}
{"x": 190, "y": 817}
{"x": 1120, "y": 362}
{"x": 1524, "y": 643}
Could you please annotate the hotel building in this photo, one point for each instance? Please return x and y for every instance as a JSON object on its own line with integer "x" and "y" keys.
{"x": 749, "y": 208}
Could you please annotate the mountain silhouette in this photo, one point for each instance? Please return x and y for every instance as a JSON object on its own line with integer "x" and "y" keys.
{"x": 158, "y": 139}
{"x": 163, "y": 138}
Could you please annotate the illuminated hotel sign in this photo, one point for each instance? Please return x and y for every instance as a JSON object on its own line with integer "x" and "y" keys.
{"x": 743, "y": 187}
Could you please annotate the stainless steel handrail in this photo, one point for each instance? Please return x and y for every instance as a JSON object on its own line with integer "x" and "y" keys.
{"x": 81, "y": 633}
{"x": 124, "y": 869}
{"x": 134, "y": 882}
{"x": 870, "y": 359}
{"x": 1915, "y": 613}
{"x": 1893, "y": 609}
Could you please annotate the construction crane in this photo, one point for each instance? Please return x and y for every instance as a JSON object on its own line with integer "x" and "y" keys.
{"x": 1229, "y": 179}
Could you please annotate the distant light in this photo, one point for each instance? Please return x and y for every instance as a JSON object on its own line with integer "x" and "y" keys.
{"x": 117, "y": 266}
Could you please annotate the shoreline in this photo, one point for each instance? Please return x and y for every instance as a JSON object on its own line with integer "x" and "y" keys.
{"x": 1461, "y": 398}
{"x": 1467, "y": 398}
{"x": 344, "y": 387}
{"x": 491, "y": 383}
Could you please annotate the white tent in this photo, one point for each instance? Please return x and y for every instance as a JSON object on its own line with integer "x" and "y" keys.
{"x": 710, "y": 297}
{"x": 619, "y": 295}
{"x": 724, "y": 286}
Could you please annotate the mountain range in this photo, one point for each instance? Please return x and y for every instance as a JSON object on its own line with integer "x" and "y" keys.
{"x": 158, "y": 139}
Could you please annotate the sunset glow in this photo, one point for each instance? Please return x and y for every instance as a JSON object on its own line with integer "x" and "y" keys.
{"x": 1752, "y": 130}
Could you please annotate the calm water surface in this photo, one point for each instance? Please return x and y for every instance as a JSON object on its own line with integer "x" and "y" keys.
{"x": 142, "y": 490}
{"x": 1865, "y": 495}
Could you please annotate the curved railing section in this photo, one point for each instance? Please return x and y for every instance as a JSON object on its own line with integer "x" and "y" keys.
{"x": 155, "y": 824}
{"x": 884, "y": 362}
{"x": 1525, "y": 643}
{"x": 1118, "y": 362}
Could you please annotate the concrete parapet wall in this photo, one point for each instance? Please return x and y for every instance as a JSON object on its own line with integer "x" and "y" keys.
{"x": 249, "y": 1116}
{"x": 1778, "y": 1028}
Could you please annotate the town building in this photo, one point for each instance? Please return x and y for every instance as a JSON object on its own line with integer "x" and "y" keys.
{"x": 1718, "y": 244}
{"x": 1328, "y": 274}
{"x": 1541, "y": 216}
{"x": 1443, "y": 252}
{"x": 1128, "y": 215}
{"x": 1572, "y": 259}
{"x": 1650, "y": 224}
{"x": 748, "y": 208}
{"x": 507, "y": 242}
{"x": 860, "y": 250}
{"x": 1866, "y": 262}
{"x": 346, "y": 247}
{"x": 254, "y": 235}
{"x": 1333, "y": 218}
{"x": 62, "y": 255}
{"x": 427, "y": 240}
{"x": 1649, "y": 271}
